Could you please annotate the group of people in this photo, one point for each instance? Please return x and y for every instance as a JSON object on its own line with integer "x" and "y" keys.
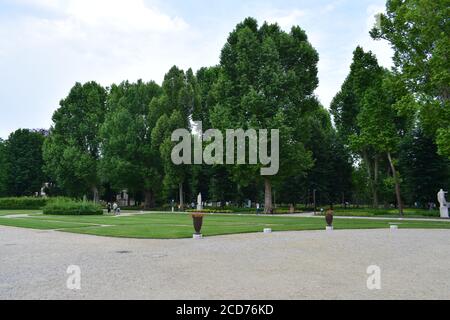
{"x": 114, "y": 208}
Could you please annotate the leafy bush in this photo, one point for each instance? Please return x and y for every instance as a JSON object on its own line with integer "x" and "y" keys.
{"x": 69, "y": 207}
{"x": 284, "y": 211}
{"x": 22, "y": 203}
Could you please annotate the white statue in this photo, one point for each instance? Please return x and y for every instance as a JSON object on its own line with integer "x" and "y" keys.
{"x": 441, "y": 198}
{"x": 444, "y": 204}
{"x": 199, "y": 202}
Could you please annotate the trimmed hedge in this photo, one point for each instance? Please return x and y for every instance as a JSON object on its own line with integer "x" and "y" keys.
{"x": 22, "y": 203}
{"x": 244, "y": 210}
{"x": 69, "y": 207}
{"x": 210, "y": 211}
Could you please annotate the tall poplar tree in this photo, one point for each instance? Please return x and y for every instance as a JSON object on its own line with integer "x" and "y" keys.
{"x": 347, "y": 105}
{"x": 174, "y": 109}
{"x": 72, "y": 150}
{"x": 267, "y": 81}
{"x": 129, "y": 160}
{"x": 381, "y": 126}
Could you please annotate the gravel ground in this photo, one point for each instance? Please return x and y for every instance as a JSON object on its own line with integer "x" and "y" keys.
{"x": 415, "y": 264}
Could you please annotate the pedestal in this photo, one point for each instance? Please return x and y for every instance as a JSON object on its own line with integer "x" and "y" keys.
{"x": 328, "y": 228}
{"x": 197, "y": 236}
{"x": 267, "y": 230}
{"x": 444, "y": 212}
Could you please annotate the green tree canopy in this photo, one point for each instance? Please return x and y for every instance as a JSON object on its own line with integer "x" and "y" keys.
{"x": 419, "y": 33}
{"x": 180, "y": 99}
{"x": 129, "y": 160}
{"x": 267, "y": 80}
{"x": 424, "y": 172}
{"x": 346, "y": 107}
{"x": 347, "y": 104}
{"x": 72, "y": 150}
{"x": 380, "y": 125}
{"x": 21, "y": 163}
{"x": 332, "y": 171}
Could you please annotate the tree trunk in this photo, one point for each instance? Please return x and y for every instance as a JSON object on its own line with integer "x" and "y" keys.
{"x": 149, "y": 201}
{"x": 180, "y": 189}
{"x": 372, "y": 181}
{"x": 375, "y": 183}
{"x": 314, "y": 201}
{"x": 268, "y": 209}
{"x": 95, "y": 196}
{"x": 307, "y": 199}
{"x": 397, "y": 185}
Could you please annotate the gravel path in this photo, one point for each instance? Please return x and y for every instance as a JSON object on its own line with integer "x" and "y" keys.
{"x": 415, "y": 264}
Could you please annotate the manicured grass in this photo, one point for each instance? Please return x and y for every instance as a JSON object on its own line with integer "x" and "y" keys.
{"x": 39, "y": 224}
{"x": 173, "y": 226}
{"x": 368, "y": 212}
{"x": 14, "y": 212}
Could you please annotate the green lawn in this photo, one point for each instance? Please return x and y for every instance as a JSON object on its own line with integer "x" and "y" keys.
{"x": 173, "y": 226}
{"x": 12, "y": 212}
{"x": 389, "y": 213}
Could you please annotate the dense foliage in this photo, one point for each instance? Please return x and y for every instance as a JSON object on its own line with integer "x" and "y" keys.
{"x": 21, "y": 163}
{"x": 72, "y": 150}
{"x": 22, "y": 203}
{"x": 66, "y": 206}
{"x": 384, "y": 141}
{"x": 419, "y": 33}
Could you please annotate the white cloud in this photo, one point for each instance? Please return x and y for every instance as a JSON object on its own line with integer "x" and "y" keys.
{"x": 79, "y": 40}
{"x": 285, "y": 19}
{"x": 52, "y": 44}
{"x": 130, "y": 15}
{"x": 46, "y": 4}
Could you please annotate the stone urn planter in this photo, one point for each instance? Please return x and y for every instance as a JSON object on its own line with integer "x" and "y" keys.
{"x": 197, "y": 219}
{"x": 329, "y": 219}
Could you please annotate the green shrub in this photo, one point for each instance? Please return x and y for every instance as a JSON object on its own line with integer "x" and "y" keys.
{"x": 69, "y": 207}
{"x": 22, "y": 203}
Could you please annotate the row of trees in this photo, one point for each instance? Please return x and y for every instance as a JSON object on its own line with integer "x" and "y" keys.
{"x": 388, "y": 144}
{"x": 386, "y": 115}
{"x": 121, "y": 136}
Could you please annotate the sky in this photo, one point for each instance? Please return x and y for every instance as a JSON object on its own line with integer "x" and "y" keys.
{"x": 46, "y": 46}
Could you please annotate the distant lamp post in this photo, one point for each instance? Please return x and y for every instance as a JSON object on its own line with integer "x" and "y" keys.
{"x": 314, "y": 200}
